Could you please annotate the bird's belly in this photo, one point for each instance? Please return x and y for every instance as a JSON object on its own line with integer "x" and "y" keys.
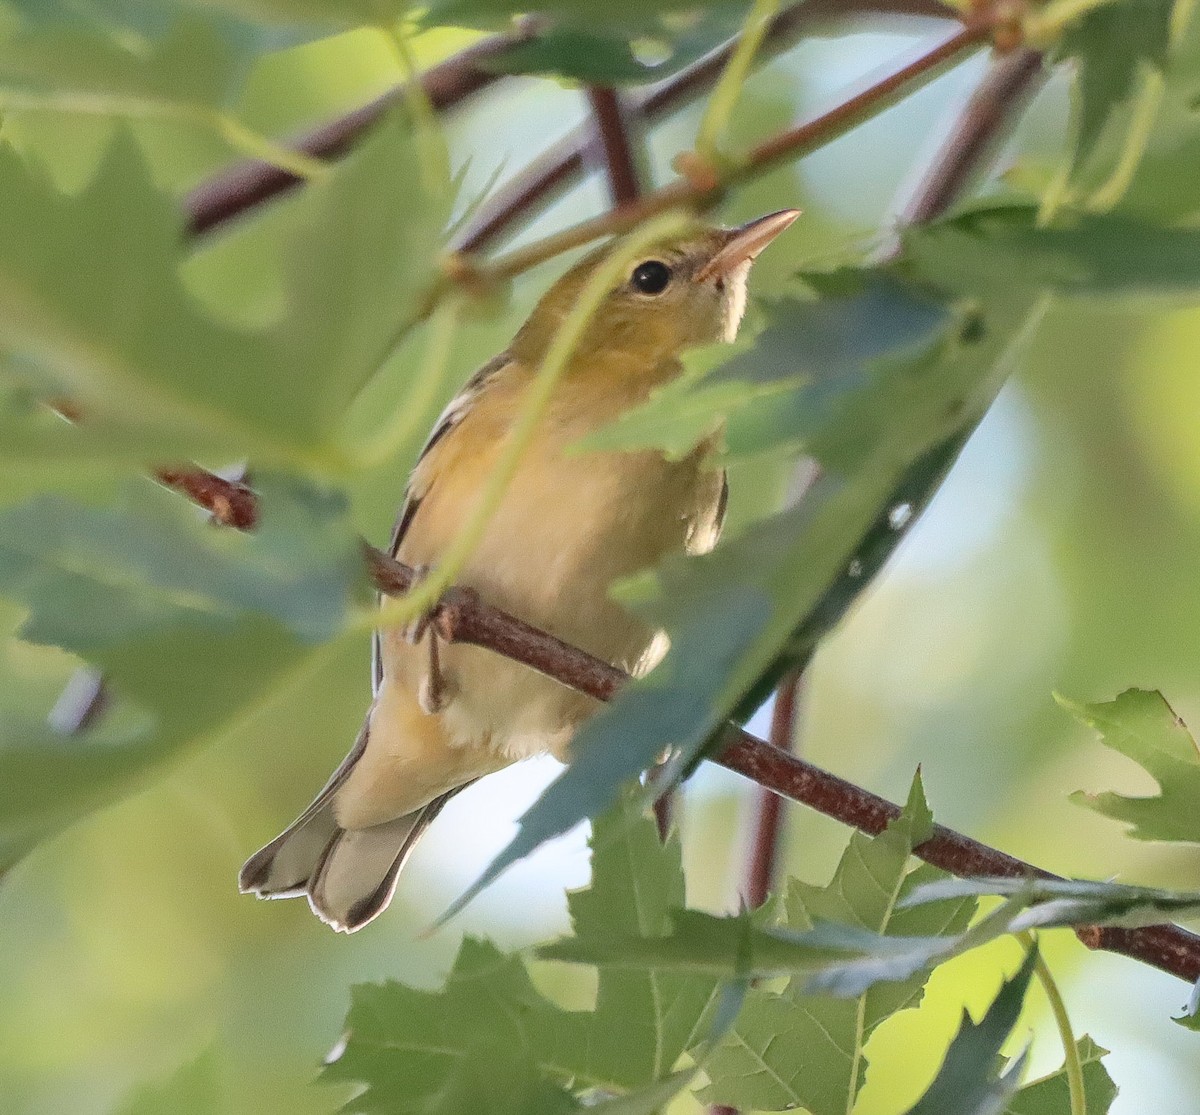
{"x": 568, "y": 526}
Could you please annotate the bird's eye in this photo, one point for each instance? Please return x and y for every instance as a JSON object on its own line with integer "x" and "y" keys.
{"x": 651, "y": 277}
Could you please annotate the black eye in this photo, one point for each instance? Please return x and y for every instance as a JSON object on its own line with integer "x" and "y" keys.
{"x": 651, "y": 277}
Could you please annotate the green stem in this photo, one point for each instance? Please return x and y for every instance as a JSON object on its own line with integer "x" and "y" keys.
{"x": 402, "y": 609}
{"x": 1062, "y": 1019}
{"x": 424, "y": 118}
{"x": 241, "y": 138}
{"x": 1137, "y": 138}
{"x": 729, "y": 87}
{"x": 1181, "y": 16}
{"x": 246, "y": 141}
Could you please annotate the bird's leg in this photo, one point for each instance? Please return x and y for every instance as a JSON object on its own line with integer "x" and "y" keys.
{"x": 434, "y": 691}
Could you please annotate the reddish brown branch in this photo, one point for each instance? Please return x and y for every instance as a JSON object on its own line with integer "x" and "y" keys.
{"x": 763, "y": 864}
{"x": 613, "y": 133}
{"x": 463, "y": 617}
{"x": 231, "y": 502}
{"x": 981, "y": 127}
{"x": 853, "y": 110}
{"x": 548, "y": 175}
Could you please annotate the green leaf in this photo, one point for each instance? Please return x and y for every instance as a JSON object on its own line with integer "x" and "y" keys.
{"x": 1000, "y": 248}
{"x": 649, "y": 1100}
{"x": 1190, "y": 1019}
{"x": 1055, "y": 903}
{"x": 405, "y": 1044}
{"x": 1141, "y": 725}
{"x": 650, "y": 50}
{"x": 194, "y": 65}
{"x": 848, "y": 960}
{"x": 1111, "y": 45}
{"x": 315, "y": 14}
{"x": 1051, "y": 1095}
{"x": 967, "y": 1083}
{"x": 632, "y": 16}
{"x": 729, "y": 947}
{"x": 194, "y": 1089}
{"x": 787, "y": 387}
{"x": 421, "y": 1050}
{"x": 97, "y": 578}
{"x": 637, "y": 880}
{"x": 190, "y": 625}
{"x": 804, "y": 1048}
{"x": 123, "y": 337}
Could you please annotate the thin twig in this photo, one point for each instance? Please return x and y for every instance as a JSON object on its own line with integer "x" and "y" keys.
{"x": 613, "y": 132}
{"x": 463, "y": 617}
{"x": 981, "y": 127}
{"x": 763, "y": 864}
{"x": 613, "y": 143}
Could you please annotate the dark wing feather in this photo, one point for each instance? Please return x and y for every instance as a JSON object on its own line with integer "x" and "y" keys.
{"x": 447, "y": 420}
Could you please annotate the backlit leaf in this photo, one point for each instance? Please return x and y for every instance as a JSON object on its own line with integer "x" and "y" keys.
{"x": 121, "y": 336}
{"x": 968, "y": 1083}
{"x": 191, "y": 625}
{"x": 1050, "y": 1095}
{"x": 419, "y": 1051}
{"x": 1141, "y": 725}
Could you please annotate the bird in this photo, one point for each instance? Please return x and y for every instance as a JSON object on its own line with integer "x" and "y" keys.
{"x": 569, "y": 524}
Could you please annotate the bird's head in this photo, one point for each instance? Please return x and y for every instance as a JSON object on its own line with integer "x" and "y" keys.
{"x": 687, "y": 291}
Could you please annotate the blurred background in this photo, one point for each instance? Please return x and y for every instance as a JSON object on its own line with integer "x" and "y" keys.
{"x": 1061, "y": 555}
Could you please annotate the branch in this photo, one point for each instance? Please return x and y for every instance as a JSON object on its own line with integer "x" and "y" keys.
{"x": 231, "y": 502}
{"x": 613, "y": 142}
{"x": 983, "y": 124}
{"x": 246, "y": 185}
{"x": 464, "y": 618}
{"x": 705, "y": 184}
{"x": 612, "y": 130}
{"x": 249, "y": 184}
{"x": 763, "y": 864}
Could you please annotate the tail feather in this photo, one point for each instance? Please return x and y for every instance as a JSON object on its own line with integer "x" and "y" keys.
{"x": 283, "y": 868}
{"x": 356, "y": 877}
{"x": 349, "y": 875}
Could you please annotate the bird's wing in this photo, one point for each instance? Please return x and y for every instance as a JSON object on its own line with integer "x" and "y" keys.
{"x": 455, "y": 410}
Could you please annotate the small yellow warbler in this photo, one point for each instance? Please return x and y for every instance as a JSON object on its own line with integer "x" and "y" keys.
{"x": 568, "y": 525}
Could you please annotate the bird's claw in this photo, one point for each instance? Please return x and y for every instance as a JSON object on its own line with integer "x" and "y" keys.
{"x": 434, "y": 691}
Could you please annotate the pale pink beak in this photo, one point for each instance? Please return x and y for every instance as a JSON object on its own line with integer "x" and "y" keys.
{"x": 746, "y": 242}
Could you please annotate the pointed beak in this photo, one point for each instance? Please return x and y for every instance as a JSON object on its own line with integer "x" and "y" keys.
{"x": 746, "y": 242}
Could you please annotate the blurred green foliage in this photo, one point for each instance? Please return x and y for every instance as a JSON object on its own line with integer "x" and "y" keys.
{"x": 1059, "y": 555}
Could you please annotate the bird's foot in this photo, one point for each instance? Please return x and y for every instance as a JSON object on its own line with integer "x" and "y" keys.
{"x": 434, "y": 691}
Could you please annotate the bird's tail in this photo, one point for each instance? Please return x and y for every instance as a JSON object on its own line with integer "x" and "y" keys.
{"x": 349, "y": 875}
